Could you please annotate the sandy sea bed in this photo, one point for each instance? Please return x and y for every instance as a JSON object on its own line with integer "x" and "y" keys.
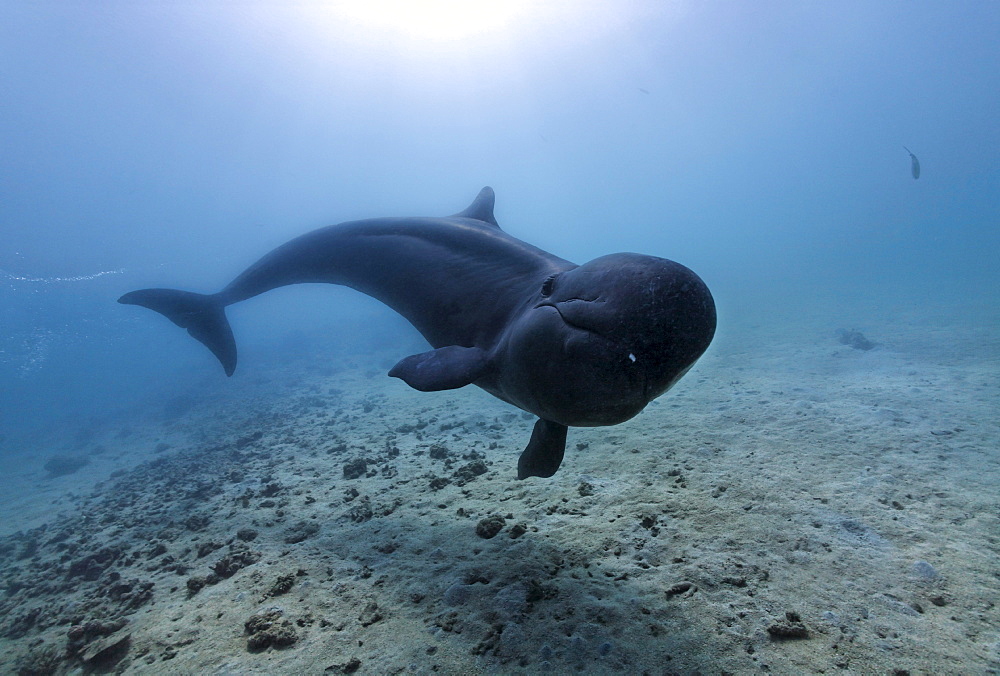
{"x": 793, "y": 506}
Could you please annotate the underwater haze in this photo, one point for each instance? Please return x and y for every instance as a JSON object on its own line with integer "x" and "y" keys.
{"x": 167, "y": 144}
{"x": 830, "y": 170}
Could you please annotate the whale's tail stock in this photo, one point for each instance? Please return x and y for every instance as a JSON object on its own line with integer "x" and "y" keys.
{"x": 204, "y": 316}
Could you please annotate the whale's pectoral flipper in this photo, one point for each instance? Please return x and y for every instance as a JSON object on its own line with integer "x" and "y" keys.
{"x": 544, "y": 452}
{"x": 202, "y": 315}
{"x": 445, "y": 368}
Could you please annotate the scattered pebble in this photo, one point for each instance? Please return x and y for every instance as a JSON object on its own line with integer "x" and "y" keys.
{"x": 490, "y": 526}
{"x": 355, "y": 468}
{"x": 791, "y": 628}
{"x": 301, "y": 531}
{"x": 680, "y": 588}
{"x": 282, "y": 585}
{"x": 267, "y": 629}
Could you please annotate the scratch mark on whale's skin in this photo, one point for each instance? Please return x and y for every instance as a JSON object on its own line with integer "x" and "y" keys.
{"x": 624, "y": 329}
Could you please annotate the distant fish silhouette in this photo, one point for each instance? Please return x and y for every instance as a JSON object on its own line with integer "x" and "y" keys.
{"x": 914, "y": 164}
{"x": 644, "y": 91}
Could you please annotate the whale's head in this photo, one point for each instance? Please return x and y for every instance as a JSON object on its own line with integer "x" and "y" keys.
{"x": 600, "y": 341}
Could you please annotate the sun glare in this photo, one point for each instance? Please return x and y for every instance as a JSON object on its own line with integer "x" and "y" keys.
{"x": 434, "y": 20}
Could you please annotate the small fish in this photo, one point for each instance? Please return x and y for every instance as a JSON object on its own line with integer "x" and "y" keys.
{"x": 914, "y": 164}
{"x": 644, "y": 91}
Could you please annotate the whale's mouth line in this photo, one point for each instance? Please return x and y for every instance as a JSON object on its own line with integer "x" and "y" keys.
{"x": 562, "y": 316}
{"x": 566, "y": 321}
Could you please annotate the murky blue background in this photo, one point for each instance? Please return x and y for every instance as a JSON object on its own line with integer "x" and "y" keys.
{"x": 761, "y": 144}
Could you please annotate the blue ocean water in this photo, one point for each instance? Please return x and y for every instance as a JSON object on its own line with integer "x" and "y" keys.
{"x": 763, "y": 145}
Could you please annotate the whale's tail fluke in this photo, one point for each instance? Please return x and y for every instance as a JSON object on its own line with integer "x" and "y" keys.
{"x": 204, "y": 316}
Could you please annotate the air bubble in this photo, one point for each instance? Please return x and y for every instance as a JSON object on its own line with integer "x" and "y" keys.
{"x": 56, "y": 280}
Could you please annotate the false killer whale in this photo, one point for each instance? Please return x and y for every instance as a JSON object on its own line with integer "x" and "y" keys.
{"x": 576, "y": 345}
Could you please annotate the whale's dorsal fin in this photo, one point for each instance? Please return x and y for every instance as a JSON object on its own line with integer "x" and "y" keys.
{"x": 481, "y": 208}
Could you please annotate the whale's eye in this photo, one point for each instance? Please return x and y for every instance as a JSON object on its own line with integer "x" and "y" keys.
{"x": 547, "y": 286}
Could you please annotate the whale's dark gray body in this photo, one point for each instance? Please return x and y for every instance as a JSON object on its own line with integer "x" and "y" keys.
{"x": 575, "y": 345}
